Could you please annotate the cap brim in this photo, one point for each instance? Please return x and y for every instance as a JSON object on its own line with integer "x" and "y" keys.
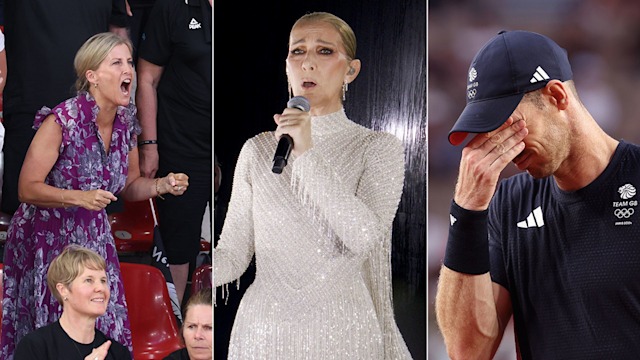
{"x": 483, "y": 116}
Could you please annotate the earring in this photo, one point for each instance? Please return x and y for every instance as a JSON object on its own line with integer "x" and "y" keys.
{"x": 66, "y": 298}
{"x": 95, "y": 85}
{"x": 345, "y": 88}
{"x": 290, "y": 91}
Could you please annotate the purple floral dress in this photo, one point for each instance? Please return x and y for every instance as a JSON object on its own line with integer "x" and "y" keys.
{"x": 37, "y": 235}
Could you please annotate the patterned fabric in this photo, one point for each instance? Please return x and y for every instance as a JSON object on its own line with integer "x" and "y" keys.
{"x": 321, "y": 235}
{"x": 37, "y": 235}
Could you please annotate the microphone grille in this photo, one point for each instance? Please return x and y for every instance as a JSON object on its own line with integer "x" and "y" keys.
{"x": 300, "y": 103}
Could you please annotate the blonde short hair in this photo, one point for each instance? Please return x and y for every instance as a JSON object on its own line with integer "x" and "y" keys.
{"x": 93, "y": 52}
{"x": 69, "y": 264}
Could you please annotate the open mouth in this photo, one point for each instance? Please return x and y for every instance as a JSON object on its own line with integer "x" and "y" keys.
{"x": 308, "y": 84}
{"x": 125, "y": 86}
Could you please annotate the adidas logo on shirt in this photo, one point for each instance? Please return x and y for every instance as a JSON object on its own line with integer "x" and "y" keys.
{"x": 194, "y": 24}
{"x": 539, "y": 75}
{"x": 533, "y": 220}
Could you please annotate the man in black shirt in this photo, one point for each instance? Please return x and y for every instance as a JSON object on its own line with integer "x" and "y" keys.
{"x": 555, "y": 247}
{"x": 174, "y": 100}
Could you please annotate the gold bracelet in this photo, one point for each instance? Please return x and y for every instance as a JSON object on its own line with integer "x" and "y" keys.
{"x": 158, "y": 189}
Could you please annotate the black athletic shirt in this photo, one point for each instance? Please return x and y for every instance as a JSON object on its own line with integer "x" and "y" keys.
{"x": 181, "y": 354}
{"x": 52, "y": 343}
{"x": 571, "y": 262}
{"x": 177, "y": 37}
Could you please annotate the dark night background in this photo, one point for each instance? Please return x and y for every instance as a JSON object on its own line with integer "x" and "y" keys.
{"x": 250, "y": 47}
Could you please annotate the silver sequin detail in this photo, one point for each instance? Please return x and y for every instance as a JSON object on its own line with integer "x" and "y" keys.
{"x": 321, "y": 234}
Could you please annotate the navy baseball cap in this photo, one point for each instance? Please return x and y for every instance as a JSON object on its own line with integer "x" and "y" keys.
{"x": 511, "y": 64}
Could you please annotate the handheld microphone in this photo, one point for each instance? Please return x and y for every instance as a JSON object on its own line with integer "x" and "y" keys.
{"x": 285, "y": 143}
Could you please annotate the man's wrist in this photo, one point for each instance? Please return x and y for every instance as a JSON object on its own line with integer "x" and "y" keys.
{"x": 467, "y": 248}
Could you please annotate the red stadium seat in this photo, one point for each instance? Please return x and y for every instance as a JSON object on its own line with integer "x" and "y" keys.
{"x": 201, "y": 278}
{"x": 205, "y": 245}
{"x": 154, "y": 328}
{"x": 132, "y": 228}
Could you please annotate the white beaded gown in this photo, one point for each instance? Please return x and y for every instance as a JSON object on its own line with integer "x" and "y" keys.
{"x": 321, "y": 235}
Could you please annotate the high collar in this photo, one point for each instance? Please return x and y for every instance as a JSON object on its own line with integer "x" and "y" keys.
{"x": 330, "y": 123}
